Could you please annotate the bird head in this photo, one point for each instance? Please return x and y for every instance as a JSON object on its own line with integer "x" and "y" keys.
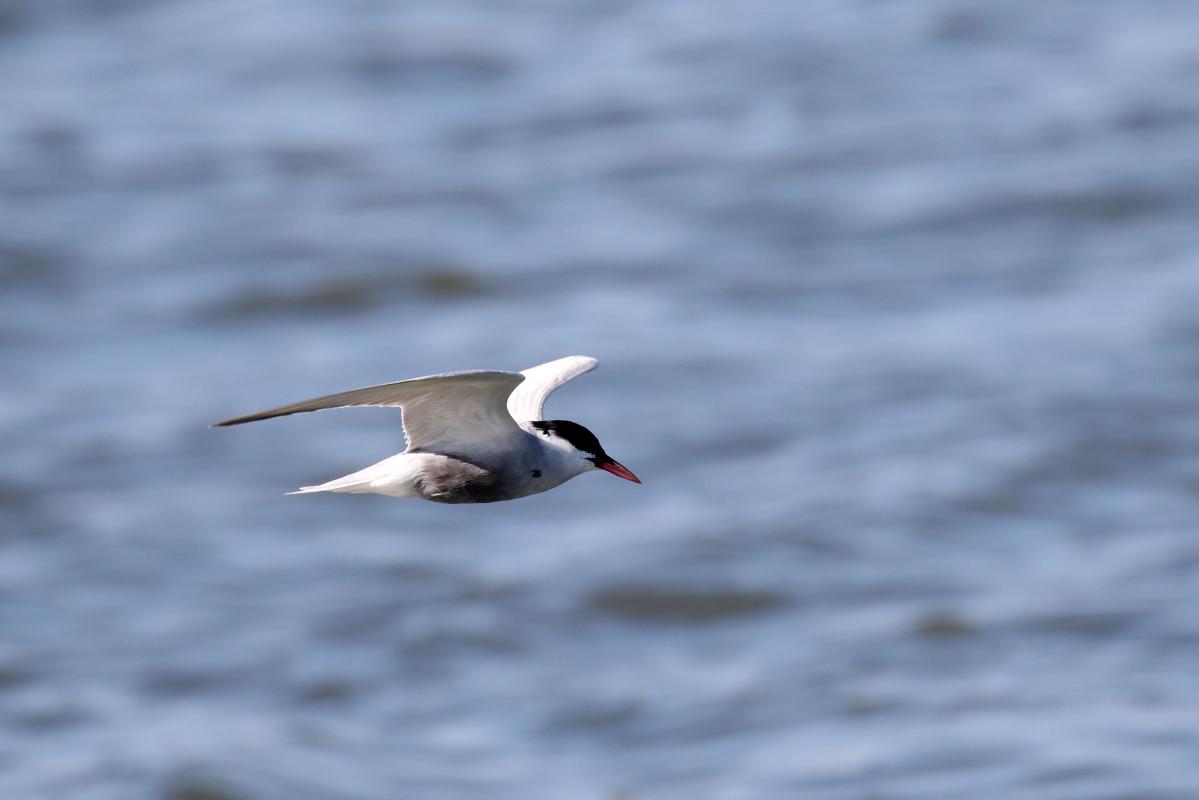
{"x": 575, "y": 440}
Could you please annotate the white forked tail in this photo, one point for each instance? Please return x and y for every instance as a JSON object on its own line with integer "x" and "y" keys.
{"x": 386, "y": 477}
{"x": 353, "y": 484}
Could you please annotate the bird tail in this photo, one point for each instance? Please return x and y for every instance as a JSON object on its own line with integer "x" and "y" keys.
{"x": 355, "y": 483}
{"x": 389, "y": 477}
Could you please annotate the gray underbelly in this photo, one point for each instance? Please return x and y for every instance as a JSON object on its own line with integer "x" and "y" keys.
{"x": 450, "y": 480}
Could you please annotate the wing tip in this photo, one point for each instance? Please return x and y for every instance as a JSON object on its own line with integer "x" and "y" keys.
{"x": 225, "y": 423}
{"x": 587, "y": 363}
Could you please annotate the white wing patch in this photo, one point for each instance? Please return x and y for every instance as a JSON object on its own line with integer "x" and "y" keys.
{"x": 526, "y": 400}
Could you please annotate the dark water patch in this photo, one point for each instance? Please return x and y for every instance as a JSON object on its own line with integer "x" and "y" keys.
{"x": 450, "y": 282}
{"x": 804, "y": 540}
{"x": 326, "y": 690}
{"x": 1005, "y": 496}
{"x": 460, "y": 199}
{"x": 1073, "y": 773}
{"x": 1092, "y": 623}
{"x": 683, "y": 605}
{"x": 341, "y": 296}
{"x": 550, "y": 126}
{"x": 47, "y": 714}
{"x": 944, "y": 625}
{"x": 425, "y": 616}
{"x": 91, "y": 11}
{"x": 598, "y": 715}
{"x": 28, "y": 511}
{"x": 362, "y": 623}
{"x": 56, "y": 137}
{"x": 183, "y": 680}
{"x": 16, "y": 497}
{"x": 415, "y": 573}
{"x": 174, "y": 172}
{"x": 962, "y": 25}
{"x": 449, "y": 641}
{"x": 1134, "y": 435}
{"x": 1150, "y": 115}
{"x": 874, "y": 589}
{"x": 387, "y": 60}
{"x": 654, "y": 166}
{"x": 10, "y": 18}
{"x": 305, "y": 160}
{"x": 353, "y": 295}
{"x": 1111, "y": 204}
{"x": 15, "y": 675}
{"x": 1106, "y": 204}
{"x": 589, "y": 121}
{"x": 737, "y": 444}
{"x": 870, "y": 705}
{"x": 31, "y": 264}
{"x": 198, "y": 787}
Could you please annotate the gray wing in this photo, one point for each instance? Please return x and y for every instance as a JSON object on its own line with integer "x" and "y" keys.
{"x": 455, "y": 408}
{"x": 526, "y": 400}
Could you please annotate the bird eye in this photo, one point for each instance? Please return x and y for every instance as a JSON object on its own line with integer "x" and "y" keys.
{"x": 536, "y": 473}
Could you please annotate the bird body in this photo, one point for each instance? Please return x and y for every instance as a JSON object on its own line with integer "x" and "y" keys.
{"x": 446, "y": 478}
{"x": 473, "y": 437}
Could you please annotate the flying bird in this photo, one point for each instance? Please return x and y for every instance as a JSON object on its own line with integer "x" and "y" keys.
{"x": 473, "y": 437}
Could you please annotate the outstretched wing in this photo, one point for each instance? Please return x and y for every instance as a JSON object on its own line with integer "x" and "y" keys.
{"x": 526, "y": 400}
{"x": 440, "y": 411}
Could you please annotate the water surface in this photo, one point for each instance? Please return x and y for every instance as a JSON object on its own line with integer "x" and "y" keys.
{"x": 896, "y": 308}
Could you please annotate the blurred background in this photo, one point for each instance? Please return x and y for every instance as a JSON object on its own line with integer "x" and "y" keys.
{"x": 896, "y": 309}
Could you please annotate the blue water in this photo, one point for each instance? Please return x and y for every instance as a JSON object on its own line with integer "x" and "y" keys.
{"x": 896, "y": 305}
